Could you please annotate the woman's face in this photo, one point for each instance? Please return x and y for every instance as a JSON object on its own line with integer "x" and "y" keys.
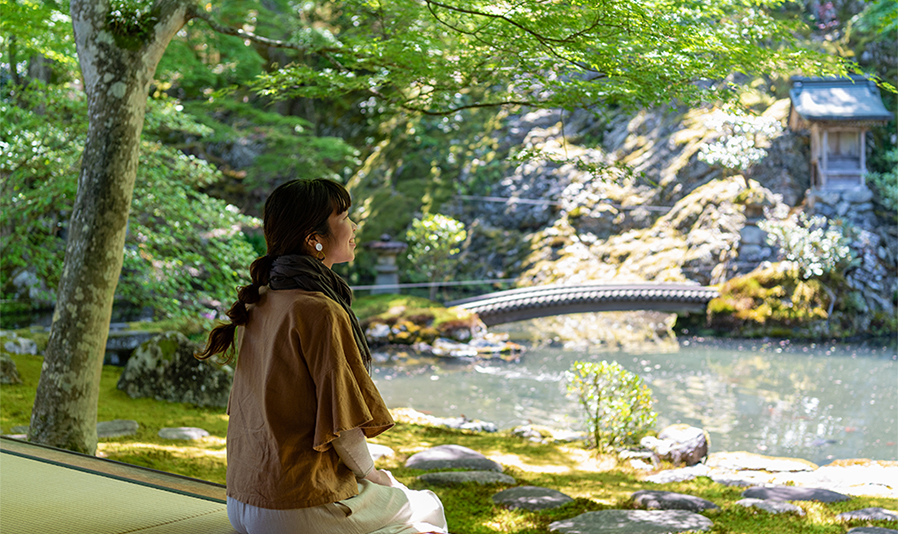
{"x": 339, "y": 245}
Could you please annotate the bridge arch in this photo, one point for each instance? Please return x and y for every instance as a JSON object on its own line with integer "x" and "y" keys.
{"x": 543, "y": 301}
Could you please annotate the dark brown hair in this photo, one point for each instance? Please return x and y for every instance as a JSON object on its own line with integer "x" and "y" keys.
{"x": 293, "y": 212}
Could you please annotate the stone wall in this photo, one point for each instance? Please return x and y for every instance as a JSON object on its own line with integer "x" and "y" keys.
{"x": 874, "y": 243}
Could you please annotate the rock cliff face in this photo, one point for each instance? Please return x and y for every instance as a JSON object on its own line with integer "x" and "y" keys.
{"x": 575, "y": 197}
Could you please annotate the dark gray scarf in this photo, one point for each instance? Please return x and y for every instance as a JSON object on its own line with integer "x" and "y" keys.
{"x": 298, "y": 271}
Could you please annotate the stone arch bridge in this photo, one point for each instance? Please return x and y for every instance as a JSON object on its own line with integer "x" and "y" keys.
{"x": 543, "y": 301}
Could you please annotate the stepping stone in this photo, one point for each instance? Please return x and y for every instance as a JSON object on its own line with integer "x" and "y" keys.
{"x": 633, "y": 522}
{"x": 183, "y": 432}
{"x": 679, "y": 475}
{"x": 872, "y": 530}
{"x": 730, "y": 481}
{"x": 531, "y": 498}
{"x": 668, "y": 500}
{"x": 454, "y": 478}
{"x": 452, "y": 457}
{"x": 793, "y": 493}
{"x": 117, "y": 428}
{"x": 380, "y": 451}
{"x": 738, "y": 461}
{"x": 774, "y": 507}
{"x": 869, "y": 514}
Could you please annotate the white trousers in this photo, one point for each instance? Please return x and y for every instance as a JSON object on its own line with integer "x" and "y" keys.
{"x": 375, "y": 510}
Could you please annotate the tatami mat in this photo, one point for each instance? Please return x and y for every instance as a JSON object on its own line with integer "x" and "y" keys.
{"x": 46, "y": 498}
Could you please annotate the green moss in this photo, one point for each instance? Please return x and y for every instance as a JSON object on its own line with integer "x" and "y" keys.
{"x": 777, "y": 302}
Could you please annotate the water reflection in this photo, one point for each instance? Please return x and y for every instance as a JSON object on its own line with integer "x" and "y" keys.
{"x": 814, "y": 401}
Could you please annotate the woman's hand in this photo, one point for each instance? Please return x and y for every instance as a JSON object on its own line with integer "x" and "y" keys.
{"x": 382, "y": 477}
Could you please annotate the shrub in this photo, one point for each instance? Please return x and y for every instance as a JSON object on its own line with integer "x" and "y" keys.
{"x": 433, "y": 240}
{"x": 617, "y": 404}
{"x": 184, "y": 250}
{"x": 815, "y": 247}
{"x": 738, "y": 146}
{"x": 885, "y": 184}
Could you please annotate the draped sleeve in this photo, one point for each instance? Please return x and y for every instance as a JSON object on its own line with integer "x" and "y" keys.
{"x": 346, "y": 396}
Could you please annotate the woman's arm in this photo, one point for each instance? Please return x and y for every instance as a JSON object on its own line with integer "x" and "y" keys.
{"x": 352, "y": 449}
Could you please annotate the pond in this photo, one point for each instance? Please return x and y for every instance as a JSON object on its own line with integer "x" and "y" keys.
{"x": 817, "y": 401}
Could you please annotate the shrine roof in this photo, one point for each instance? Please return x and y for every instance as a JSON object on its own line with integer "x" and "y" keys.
{"x": 838, "y": 99}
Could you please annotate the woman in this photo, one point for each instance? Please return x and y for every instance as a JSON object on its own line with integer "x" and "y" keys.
{"x": 302, "y": 402}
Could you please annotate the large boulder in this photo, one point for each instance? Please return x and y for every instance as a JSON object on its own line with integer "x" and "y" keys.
{"x": 164, "y": 368}
{"x": 679, "y": 444}
{"x": 9, "y": 374}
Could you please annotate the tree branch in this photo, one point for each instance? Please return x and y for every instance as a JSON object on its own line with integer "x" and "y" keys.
{"x": 197, "y": 13}
{"x": 450, "y": 111}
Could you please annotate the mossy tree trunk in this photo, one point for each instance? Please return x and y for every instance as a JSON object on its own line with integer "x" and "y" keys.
{"x": 118, "y": 59}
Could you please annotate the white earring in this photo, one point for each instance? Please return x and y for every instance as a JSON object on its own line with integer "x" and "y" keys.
{"x": 318, "y": 247}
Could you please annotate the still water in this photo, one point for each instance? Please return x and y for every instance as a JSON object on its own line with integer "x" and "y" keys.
{"x": 817, "y": 401}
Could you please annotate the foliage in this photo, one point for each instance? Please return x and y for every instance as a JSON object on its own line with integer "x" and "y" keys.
{"x": 433, "y": 240}
{"x": 885, "y": 184}
{"x": 778, "y": 302}
{"x": 616, "y": 403}
{"x": 184, "y": 251}
{"x": 286, "y": 146}
{"x": 37, "y": 27}
{"x": 739, "y": 144}
{"x": 439, "y": 57}
{"x": 881, "y": 17}
{"x": 815, "y": 246}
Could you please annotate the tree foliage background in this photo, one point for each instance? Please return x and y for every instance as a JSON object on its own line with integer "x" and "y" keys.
{"x": 230, "y": 117}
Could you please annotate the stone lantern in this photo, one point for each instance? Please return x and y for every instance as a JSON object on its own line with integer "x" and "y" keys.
{"x": 387, "y": 280}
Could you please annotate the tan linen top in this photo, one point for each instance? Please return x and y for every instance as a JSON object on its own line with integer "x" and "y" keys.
{"x": 299, "y": 382}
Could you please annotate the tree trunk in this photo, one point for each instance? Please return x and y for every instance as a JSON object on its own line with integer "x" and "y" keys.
{"x": 117, "y": 71}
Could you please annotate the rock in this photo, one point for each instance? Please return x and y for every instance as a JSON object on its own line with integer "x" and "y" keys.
{"x": 668, "y": 500}
{"x": 447, "y": 347}
{"x": 737, "y": 461}
{"x": 792, "y": 493}
{"x": 531, "y": 498}
{"x": 679, "y": 475}
{"x": 528, "y": 432}
{"x": 14, "y": 344}
{"x": 183, "y": 432}
{"x": 679, "y": 444}
{"x": 869, "y": 514}
{"x": 633, "y": 522}
{"x": 648, "y": 454}
{"x": 378, "y": 332}
{"x": 380, "y": 451}
{"x": 752, "y": 235}
{"x": 164, "y": 368}
{"x": 454, "y": 478}
{"x": 858, "y": 195}
{"x": 116, "y": 428}
{"x": 774, "y": 507}
{"x": 872, "y": 530}
{"x": 452, "y": 457}
{"x": 728, "y": 480}
{"x": 121, "y": 344}
{"x": 462, "y": 423}
{"x": 9, "y": 374}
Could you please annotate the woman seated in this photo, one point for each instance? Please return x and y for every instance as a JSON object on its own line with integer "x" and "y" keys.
{"x": 303, "y": 402}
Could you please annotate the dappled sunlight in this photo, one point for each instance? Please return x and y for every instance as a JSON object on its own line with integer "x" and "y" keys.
{"x": 563, "y": 460}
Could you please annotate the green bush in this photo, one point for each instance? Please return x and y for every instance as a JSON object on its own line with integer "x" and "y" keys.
{"x": 433, "y": 240}
{"x": 885, "y": 184}
{"x": 815, "y": 246}
{"x": 184, "y": 250}
{"x": 617, "y": 404}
